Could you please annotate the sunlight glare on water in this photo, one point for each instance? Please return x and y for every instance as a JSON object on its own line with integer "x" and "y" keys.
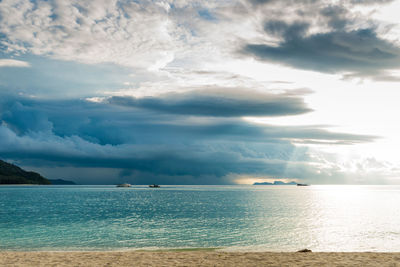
{"x": 247, "y": 218}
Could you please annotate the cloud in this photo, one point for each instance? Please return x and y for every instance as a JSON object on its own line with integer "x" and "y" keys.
{"x": 14, "y": 63}
{"x": 196, "y": 136}
{"x": 151, "y": 35}
{"x": 339, "y": 48}
{"x": 371, "y": 2}
{"x": 122, "y": 32}
{"x": 219, "y": 103}
{"x": 337, "y": 17}
{"x": 324, "y": 36}
{"x": 266, "y": 2}
{"x": 360, "y": 52}
{"x": 313, "y": 2}
{"x": 287, "y": 31}
{"x": 80, "y": 134}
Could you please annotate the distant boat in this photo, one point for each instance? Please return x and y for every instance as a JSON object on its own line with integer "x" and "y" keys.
{"x": 124, "y": 185}
{"x": 154, "y": 186}
{"x": 303, "y": 185}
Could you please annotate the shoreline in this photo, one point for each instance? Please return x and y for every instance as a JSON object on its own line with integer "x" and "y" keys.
{"x": 185, "y": 249}
{"x": 202, "y": 257}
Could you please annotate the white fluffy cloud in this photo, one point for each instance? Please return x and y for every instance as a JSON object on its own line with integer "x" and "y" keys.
{"x": 119, "y": 32}
{"x": 192, "y": 34}
{"x": 13, "y": 63}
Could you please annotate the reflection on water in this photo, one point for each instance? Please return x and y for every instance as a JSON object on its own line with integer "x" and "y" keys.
{"x": 282, "y": 218}
{"x": 362, "y": 218}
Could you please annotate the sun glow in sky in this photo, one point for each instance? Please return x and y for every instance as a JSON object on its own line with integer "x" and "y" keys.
{"x": 201, "y": 92}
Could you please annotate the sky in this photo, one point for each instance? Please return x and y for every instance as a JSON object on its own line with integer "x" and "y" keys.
{"x": 201, "y": 92}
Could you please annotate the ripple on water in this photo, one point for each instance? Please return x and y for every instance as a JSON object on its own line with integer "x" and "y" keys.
{"x": 253, "y": 218}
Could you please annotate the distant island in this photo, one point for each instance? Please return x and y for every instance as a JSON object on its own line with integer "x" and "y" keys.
{"x": 12, "y": 174}
{"x": 276, "y": 183}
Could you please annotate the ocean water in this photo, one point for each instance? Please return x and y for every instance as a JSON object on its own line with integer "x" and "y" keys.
{"x": 245, "y": 218}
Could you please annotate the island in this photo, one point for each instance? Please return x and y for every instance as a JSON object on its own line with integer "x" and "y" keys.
{"x": 276, "y": 183}
{"x": 12, "y": 174}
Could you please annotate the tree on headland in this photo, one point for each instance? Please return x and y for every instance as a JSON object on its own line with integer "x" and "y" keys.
{"x": 12, "y": 174}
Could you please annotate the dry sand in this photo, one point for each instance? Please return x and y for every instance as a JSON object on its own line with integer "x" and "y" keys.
{"x": 197, "y": 258}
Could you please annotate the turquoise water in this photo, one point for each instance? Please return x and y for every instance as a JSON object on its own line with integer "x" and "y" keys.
{"x": 250, "y": 218}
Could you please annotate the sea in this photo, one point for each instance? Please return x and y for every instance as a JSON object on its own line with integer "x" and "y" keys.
{"x": 232, "y": 218}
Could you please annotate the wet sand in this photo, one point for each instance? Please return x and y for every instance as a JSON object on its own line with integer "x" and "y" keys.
{"x": 198, "y": 258}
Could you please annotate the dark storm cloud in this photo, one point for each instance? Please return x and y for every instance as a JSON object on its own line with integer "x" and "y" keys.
{"x": 371, "y": 2}
{"x": 360, "y": 52}
{"x": 266, "y": 2}
{"x": 81, "y": 134}
{"x": 324, "y": 36}
{"x": 261, "y": 2}
{"x": 287, "y": 31}
{"x": 336, "y": 16}
{"x": 219, "y": 103}
{"x": 308, "y": 2}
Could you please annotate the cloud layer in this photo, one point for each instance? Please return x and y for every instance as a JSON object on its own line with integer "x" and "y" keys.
{"x": 167, "y": 85}
{"x": 174, "y": 148}
{"x": 318, "y": 35}
{"x": 122, "y": 32}
{"x": 325, "y": 37}
{"x": 219, "y": 103}
{"x": 359, "y": 52}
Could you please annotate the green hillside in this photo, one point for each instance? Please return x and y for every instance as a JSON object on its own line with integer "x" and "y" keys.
{"x": 12, "y": 174}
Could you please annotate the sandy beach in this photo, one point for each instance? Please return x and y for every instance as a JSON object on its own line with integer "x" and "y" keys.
{"x": 197, "y": 258}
